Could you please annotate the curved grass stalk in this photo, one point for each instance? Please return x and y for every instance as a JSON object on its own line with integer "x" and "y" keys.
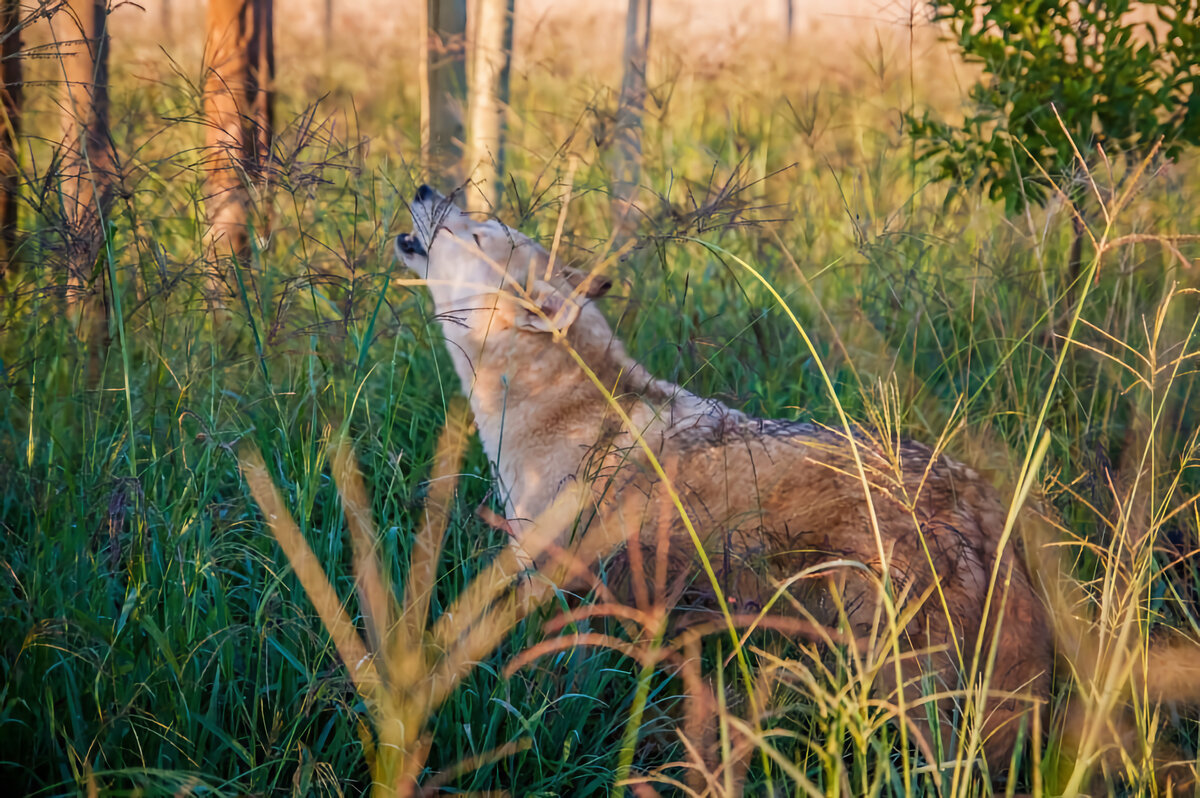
{"x": 404, "y": 671}
{"x": 889, "y": 604}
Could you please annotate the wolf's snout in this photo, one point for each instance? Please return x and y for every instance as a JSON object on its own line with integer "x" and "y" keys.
{"x": 410, "y": 244}
{"x": 425, "y": 193}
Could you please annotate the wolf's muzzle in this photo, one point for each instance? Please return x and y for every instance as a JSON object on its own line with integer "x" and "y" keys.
{"x": 410, "y": 244}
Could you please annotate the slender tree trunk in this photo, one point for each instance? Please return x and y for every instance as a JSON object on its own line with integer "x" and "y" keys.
{"x": 10, "y": 130}
{"x": 239, "y": 69}
{"x": 168, "y": 23}
{"x": 328, "y": 28}
{"x": 443, "y": 92}
{"x": 88, "y": 165}
{"x": 263, "y": 75}
{"x": 491, "y": 53}
{"x": 790, "y": 16}
{"x": 627, "y": 154}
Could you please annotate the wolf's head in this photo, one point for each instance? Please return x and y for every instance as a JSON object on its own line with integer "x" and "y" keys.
{"x": 470, "y": 264}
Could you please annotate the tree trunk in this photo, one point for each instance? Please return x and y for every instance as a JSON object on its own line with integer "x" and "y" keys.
{"x": 239, "y": 63}
{"x": 10, "y": 130}
{"x": 491, "y": 54}
{"x": 790, "y": 14}
{"x": 443, "y": 92}
{"x": 168, "y": 24}
{"x": 88, "y": 164}
{"x": 627, "y": 155}
{"x": 328, "y": 28}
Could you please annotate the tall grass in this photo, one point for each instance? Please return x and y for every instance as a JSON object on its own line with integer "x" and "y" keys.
{"x": 154, "y": 638}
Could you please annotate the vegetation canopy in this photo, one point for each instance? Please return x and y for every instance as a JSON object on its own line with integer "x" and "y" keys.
{"x": 1064, "y": 86}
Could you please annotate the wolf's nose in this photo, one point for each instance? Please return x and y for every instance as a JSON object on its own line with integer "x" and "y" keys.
{"x": 425, "y": 192}
{"x": 409, "y": 245}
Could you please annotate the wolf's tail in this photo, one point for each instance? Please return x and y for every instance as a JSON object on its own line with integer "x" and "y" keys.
{"x": 1109, "y": 664}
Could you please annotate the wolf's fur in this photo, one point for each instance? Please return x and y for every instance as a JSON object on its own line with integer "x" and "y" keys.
{"x": 769, "y": 498}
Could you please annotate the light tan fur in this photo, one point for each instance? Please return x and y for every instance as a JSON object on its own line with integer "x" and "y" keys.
{"x": 770, "y": 499}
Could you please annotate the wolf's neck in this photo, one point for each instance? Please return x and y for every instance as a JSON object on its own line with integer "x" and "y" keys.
{"x": 539, "y": 416}
{"x": 544, "y": 423}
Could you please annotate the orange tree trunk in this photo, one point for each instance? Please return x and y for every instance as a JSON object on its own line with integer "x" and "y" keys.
{"x": 10, "y": 128}
{"x": 239, "y": 67}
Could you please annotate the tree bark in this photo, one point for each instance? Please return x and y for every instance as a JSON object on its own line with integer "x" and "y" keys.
{"x": 88, "y": 163}
{"x": 627, "y": 154}
{"x": 239, "y": 63}
{"x": 328, "y": 29}
{"x": 168, "y": 24}
{"x": 491, "y": 55}
{"x": 10, "y": 130}
{"x": 443, "y": 92}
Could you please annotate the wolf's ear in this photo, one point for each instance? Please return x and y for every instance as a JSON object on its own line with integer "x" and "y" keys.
{"x": 557, "y": 311}
{"x": 593, "y": 284}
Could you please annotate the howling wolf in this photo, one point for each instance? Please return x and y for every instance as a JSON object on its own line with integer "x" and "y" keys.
{"x": 829, "y": 526}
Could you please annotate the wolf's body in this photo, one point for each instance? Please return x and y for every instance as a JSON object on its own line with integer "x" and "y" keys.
{"x": 769, "y": 499}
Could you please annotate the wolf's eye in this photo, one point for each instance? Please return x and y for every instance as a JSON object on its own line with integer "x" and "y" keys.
{"x": 478, "y": 240}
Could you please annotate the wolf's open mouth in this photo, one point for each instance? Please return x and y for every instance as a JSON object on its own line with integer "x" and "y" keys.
{"x": 409, "y": 244}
